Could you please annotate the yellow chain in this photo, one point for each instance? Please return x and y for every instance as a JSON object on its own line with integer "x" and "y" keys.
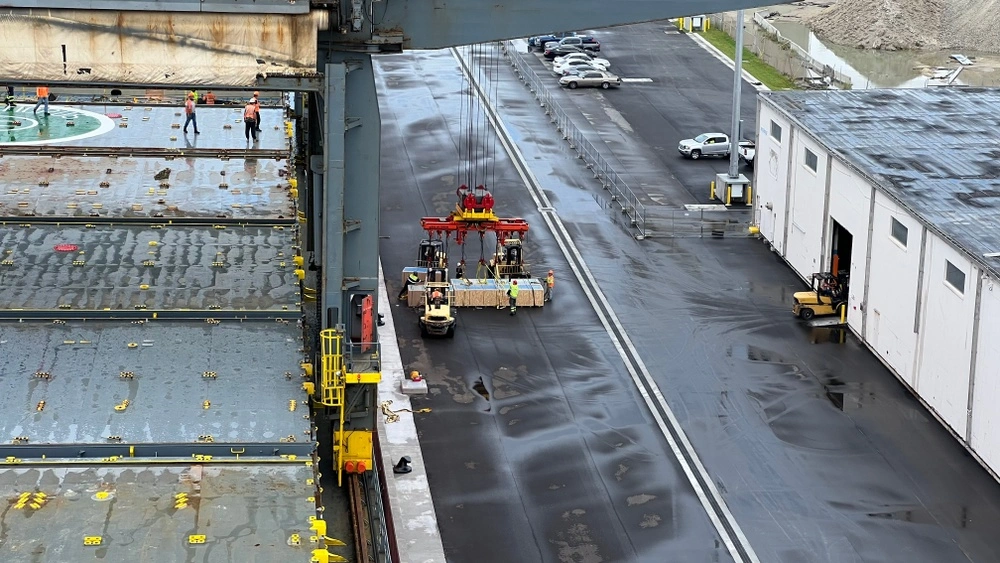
{"x": 393, "y": 416}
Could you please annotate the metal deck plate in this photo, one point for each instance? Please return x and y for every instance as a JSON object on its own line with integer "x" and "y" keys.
{"x": 128, "y": 187}
{"x": 257, "y": 366}
{"x": 183, "y": 274}
{"x": 151, "y": 127}
{"x": 246, "y": 513}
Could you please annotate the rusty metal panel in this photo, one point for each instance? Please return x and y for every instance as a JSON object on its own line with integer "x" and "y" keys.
{"x": 231, "y": 6}
{"x": 155, "y": 47}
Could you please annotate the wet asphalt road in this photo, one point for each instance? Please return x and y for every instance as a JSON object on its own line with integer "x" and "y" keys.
{"x": 819, "y": 452}
{"x": 642, "y": 123}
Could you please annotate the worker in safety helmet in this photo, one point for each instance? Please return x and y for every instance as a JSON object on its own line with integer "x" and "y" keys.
{"x": 460, "y": 270}
{"x": 437, "y": 297}
{"x": 250, "y": 119}
{"x": 512, "y": 297}
{"x": 256, "y": 96}
{"x": 550, "y": 282}
{"x": 411, "y": 279}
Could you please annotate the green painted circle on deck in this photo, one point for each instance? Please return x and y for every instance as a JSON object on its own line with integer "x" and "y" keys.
{"x": 21, "y": 126}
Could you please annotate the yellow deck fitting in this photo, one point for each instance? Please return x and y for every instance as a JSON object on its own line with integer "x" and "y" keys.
{"x": 102, "y": 495}
{"x": 206, "y": 438}
{"x": 43, "y": 375}
{"x": 209, "y": 374}
{"x": 220, "y": 227}
{"x": 201, "y": 457}
{"x": 196, "y": 538}
{"x": 295, "y": 539}
{"x": 40, "y": 406}
{"x": 153, "y": 243}
{"x": 126, "y": 374}
{"x": 120, "y": 407}
{"x": 206, "y": 404}
{"x": 78, "y": 262}
{"x": 65, "y": 306}
{"x": 92, "y": 540}
{"x": 116, "y": 439}
{"x": 212, "y": 321}
{"x": 180, "y": 500}
{"x": 149, "y": 263}
{"x": 133, "y": 344}
{"x": 292, "y": 404}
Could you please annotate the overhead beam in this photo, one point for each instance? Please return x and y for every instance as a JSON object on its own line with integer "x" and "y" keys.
{"x": 432, "y": 24}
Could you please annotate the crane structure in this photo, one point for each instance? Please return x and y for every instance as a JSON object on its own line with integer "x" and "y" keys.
{"x": 321, "y": 52}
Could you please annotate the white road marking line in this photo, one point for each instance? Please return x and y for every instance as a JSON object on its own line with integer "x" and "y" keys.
{"x": 657, "y": 402}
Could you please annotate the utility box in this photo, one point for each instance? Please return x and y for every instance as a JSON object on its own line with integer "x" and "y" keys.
{"x": 693, "y": 23}
{"x": 731, "y": 191}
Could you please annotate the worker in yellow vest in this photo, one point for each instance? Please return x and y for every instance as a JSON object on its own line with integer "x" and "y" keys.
{"x": 550, "y": 282}
{"x": 512, "y": 296}
{"x": 43, "y": 98}
{"x": 411, "y": 279}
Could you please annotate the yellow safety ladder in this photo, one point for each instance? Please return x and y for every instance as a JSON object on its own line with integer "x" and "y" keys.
{"x": 332, "y": 384}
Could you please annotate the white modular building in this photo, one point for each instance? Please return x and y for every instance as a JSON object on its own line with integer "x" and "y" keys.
{"x": 900, "y": 188}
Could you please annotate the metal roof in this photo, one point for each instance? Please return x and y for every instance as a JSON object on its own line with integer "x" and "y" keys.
{"x": 935, "y": 151}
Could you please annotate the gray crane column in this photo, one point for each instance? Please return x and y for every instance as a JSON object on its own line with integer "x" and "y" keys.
{"x": 350, "y": 186}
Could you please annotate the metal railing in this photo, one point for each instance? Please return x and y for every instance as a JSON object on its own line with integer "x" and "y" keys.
{"x": 621, "y": 195}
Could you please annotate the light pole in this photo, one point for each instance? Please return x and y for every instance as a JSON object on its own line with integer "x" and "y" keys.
{"x": 734, "y": 145}
{"x": 735, "y": 187}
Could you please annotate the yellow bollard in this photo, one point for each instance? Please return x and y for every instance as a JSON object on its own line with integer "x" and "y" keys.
{"x": 729, "y": 195}
{"x": 711, "y": 193}
{"x": 708, "y": 24}
{"x": 843, "y": 314}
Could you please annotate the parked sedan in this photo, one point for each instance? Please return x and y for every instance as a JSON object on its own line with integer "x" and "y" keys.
{"x": 593, "y": 78}
{"x": 580, "y": 69}
{"x": 566, "y": 66}
{"x": 583, "y": 56}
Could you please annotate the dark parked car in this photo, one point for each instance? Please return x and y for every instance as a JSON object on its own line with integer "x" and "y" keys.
{"x": 584, "y": 42}
{"x": 539, "y": 41}
{"x": 554, "y": 51}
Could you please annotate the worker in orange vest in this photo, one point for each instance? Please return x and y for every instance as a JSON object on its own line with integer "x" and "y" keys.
{"x": 189, "y": 109}
{"x": 550, "y": 282}
{"x": 256, "y": 96}
{"x": 209, "y": 98}
{"x": 43, "y": 98}
{"x": 250, "y": 118}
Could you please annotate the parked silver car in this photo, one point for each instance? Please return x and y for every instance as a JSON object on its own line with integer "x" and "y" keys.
{"x": 593, "y": 78}
{"x": 706, "y": 144}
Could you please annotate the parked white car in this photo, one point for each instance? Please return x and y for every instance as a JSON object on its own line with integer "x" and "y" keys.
{"x": 566, "y": 66}
{"x": 706, "y": 144}
{"x": 583, "y": 56}
{"x": 593, "y": 78}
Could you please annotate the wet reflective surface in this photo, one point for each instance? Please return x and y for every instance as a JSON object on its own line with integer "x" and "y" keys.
{"x": 539, "y": 447}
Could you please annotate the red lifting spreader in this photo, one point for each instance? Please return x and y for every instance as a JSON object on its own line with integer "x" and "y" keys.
{"x": 441, "y": 226}
{"x": 474, "y": 213}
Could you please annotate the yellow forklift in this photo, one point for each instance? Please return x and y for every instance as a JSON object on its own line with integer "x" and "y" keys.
{"x": 828, "y": 296}
{"x": 438, "y": 318}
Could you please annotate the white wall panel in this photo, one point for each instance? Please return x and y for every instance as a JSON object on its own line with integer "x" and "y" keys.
{"x": 986, "y": 396}
{"x": 771, "y": 176}
{"x": 804, "y": 247}
{"x": 892, "y": 287}
{"x": 850, "y": 197}
{"x": 945, "y": 351}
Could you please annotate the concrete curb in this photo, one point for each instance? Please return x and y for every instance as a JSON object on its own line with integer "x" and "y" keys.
{"x": 410, "y": 501}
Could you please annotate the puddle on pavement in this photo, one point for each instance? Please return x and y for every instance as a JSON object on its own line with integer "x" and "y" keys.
{"x": 480, "y": 387}
{"x": 823, "y": 335}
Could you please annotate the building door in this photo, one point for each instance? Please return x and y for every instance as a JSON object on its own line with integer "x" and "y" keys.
{"x": 840, "y": 253}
